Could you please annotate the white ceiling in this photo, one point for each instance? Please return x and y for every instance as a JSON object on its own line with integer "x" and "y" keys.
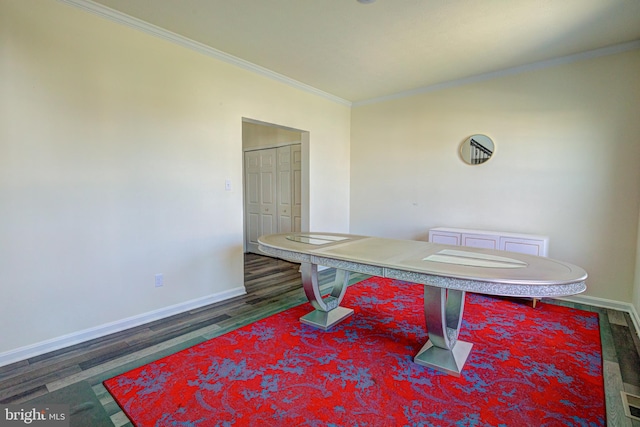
{"x": 361, "y": 52}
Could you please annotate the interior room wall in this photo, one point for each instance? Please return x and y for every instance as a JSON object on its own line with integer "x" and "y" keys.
{"x": 114, "y": 150}
{"x": 565, "y": 164}
{"x": 636, "y": 288}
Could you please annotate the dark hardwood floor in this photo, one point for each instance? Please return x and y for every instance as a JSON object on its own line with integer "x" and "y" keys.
{"x": 74, "y": 375}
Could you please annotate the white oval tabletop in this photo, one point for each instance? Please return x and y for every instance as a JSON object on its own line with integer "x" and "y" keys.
{"x": 455, "y": 267}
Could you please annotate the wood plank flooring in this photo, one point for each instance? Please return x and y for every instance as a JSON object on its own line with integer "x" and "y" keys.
{"x": 74, "y": 375}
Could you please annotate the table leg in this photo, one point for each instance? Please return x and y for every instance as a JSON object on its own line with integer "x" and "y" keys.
{"x": 327, "y": 310}
{"x": 443, "y": 311}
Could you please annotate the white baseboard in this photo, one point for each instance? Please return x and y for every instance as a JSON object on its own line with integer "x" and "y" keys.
{"x": 74, "y": 338}
{"x": 607, "y": 303}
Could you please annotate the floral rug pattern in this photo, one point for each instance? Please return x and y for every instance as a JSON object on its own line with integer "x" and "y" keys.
{"x": 528, "y": 367}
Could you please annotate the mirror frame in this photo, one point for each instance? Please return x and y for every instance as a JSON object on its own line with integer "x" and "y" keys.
{"x": 477, "y": 149}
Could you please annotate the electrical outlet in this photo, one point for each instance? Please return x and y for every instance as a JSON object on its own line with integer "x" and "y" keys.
{"x": 159, "y": 280}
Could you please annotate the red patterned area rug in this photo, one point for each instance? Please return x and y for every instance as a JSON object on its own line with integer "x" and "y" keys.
{"x": 528, "y": 367}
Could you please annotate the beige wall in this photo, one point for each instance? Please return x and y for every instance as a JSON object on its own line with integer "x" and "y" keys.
{"x": 114, "y": 149}
{"x": 115, "y": 145}
{"x": 636, "y": 289}
{"x": 566, "y": 164}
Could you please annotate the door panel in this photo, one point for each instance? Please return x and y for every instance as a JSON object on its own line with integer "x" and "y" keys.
{"x": 284, "y": 189}
{"x": 296, "y": 191}
{"x": 253, "y": 227}
{"x": 260, "y": 195}
{"x": 479, "y": 241}
{"x": 252, "y": 198}
{"x": 268, "y": 223}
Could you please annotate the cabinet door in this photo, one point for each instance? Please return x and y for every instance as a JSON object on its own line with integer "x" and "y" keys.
{"x": 445, "y": 237}
{"x": 525, "y": 246}
{"x": 486, "y": 241}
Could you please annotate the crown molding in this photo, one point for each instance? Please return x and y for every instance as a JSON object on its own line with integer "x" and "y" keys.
{"x": 138, "y": 24}
{"x": 596, "y": 53}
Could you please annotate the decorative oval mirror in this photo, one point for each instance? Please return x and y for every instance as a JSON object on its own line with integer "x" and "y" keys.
{"x": 477, "y": 149}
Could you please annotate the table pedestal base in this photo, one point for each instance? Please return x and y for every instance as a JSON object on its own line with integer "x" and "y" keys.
{"x": 442, "y": 359}
{"x": 443, "y": 310}
{"x": 327, "y": 311}
{"x": 326, "y": 319}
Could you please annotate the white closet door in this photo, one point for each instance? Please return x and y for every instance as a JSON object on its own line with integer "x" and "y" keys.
{"x": 252, "y": 199}
{"x": 285, "y": 178}
{"x": 260, "y": 195}
{"x": 296, "y": 194}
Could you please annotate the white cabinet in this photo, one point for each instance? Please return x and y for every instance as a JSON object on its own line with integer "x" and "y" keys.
{"x": 515, "y": 242}
{"x": 531, "y": 244}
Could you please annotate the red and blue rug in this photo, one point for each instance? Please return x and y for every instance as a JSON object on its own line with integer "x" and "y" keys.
{"x": 528, "y": 367}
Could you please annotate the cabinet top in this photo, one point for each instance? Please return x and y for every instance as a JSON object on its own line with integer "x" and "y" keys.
{"x": 489, "y": 233}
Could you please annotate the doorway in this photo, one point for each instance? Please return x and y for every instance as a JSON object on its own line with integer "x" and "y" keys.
{"x": 275, "y": 180}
